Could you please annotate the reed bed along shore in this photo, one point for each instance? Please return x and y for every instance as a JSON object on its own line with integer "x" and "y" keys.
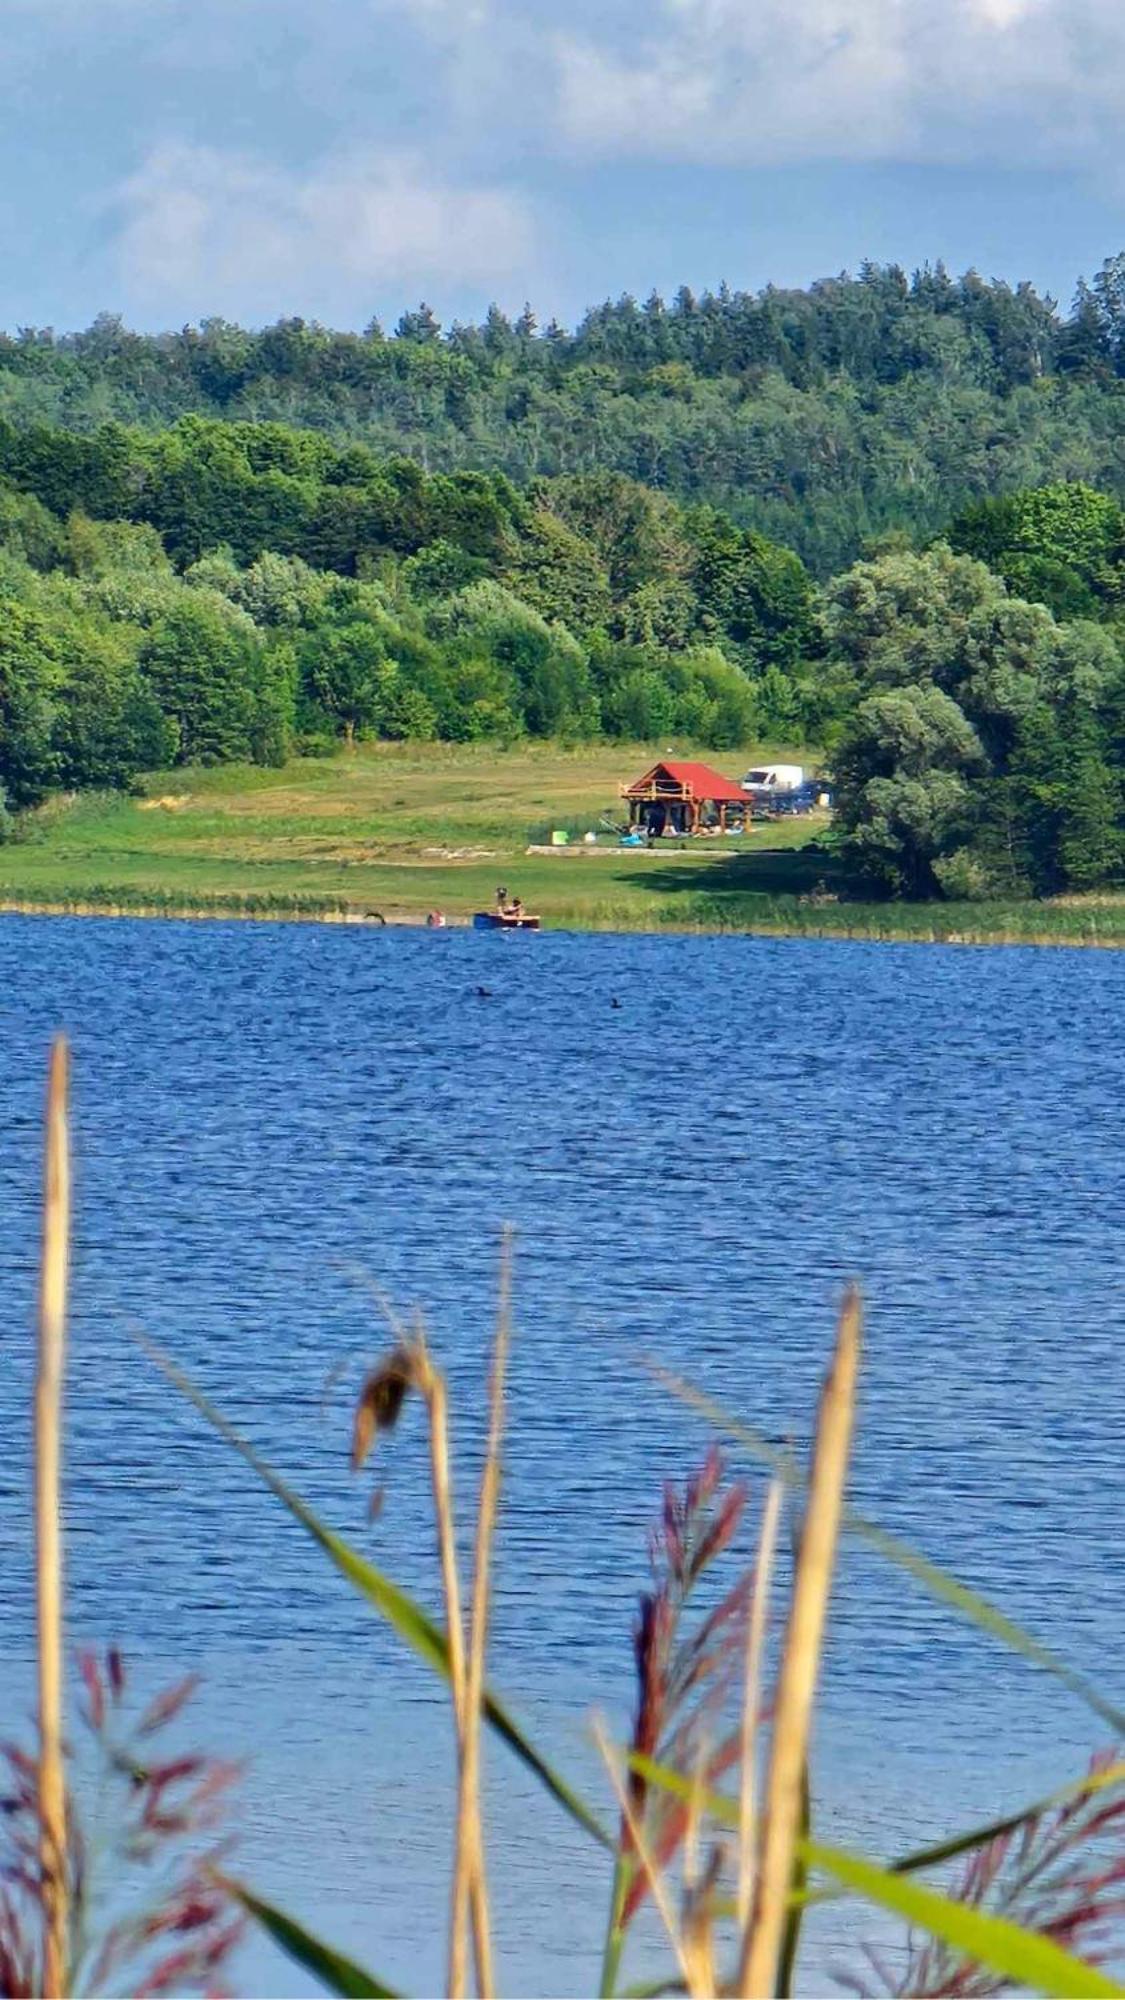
{"x": 1098, "y": 925}
{"x": 711, "y": 1788}
{"x": 117, "y": 903}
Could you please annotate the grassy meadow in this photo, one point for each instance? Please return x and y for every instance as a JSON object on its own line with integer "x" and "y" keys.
{"x": 395, "y": 830}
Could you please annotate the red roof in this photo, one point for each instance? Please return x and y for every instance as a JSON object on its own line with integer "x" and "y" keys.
{"x": 697, "y": 779}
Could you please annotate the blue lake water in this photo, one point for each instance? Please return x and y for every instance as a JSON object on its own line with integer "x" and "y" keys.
{"x": 272, "y": 1121}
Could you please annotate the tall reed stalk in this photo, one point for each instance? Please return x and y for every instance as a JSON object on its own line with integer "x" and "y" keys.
{"x": 997, "y": 1934}
{"x": 469, "y": 1856}
{"x": 410, "y": 1369}
{"x": 762, "y": 1939}
{"x": 431, "y": 1387}
{"x": 752, "y": 1701}
{"x": 48, "y": 1535}
{"x": 469, "y": 1882}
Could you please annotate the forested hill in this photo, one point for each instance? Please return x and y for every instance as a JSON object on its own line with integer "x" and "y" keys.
{"x": 822, "y": 417}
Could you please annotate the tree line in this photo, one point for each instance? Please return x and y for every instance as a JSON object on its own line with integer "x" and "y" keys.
{"x": 821, "y": 417}
{"x": 218, "y": 591}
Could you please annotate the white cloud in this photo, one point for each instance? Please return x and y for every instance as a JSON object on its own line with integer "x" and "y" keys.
{"x": 206, "y": 230}
{"x": 1017, "y": 82}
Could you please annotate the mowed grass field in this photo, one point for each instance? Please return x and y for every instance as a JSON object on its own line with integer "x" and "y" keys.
{"x": 396, "y": 830}
{"x": 387, "y": 828}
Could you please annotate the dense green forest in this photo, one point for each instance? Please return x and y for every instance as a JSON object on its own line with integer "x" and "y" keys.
{"x": 821, "y": 417}
{"x": 451, "y": 543}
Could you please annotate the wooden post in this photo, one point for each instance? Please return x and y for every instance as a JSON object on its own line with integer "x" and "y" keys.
{"x": 48, "y": 1532}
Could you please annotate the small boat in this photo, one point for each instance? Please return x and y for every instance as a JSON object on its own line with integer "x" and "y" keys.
{"x": 499, "y": 920}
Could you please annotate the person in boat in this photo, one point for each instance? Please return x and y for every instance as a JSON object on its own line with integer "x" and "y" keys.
{"x": 513, "y": 910}
{"x": 436, "y": 920}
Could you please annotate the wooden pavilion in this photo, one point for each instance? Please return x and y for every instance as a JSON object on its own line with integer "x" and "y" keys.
{"x": 682, "y": 798}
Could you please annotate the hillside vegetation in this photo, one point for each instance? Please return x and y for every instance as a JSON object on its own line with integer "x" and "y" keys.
{"x": 821, "y": 417}
{"x": 241, "y": 588}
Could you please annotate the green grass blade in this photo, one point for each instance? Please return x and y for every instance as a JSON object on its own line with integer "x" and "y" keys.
{"x": 1024, "y": 1957}
{"x": 977, "y": 1836}
{"x": 614, "y": 1943}
{"x": 718, "y": 1806}
{"x": 408, "y": 1619}
{"x": 725, "y": 1812}
{"x": 937, "y": 1581}
{"x": 336, "y": 1973}
{"x": 654, "y": 1989}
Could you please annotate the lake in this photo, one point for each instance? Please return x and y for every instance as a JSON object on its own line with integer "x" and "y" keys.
{"x": 275, "y": 1122}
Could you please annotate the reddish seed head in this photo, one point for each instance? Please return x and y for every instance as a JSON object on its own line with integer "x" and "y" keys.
{"x": 723, "y": 1529}
{"x": 682, "y": 1679}
{"x": 173, "y": 1772}
{"x": 92, "y": 1681}
{"x": 167, "y": 1705}
{"x": 195, "y": 1915}
{"x": 1040, "y": 1876}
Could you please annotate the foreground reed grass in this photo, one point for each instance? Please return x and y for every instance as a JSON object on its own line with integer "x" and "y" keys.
{"x": 48, "y": 1509}
{"x": 380, "y": 1403}
{"x": 1041, "y": 1897}
{"x": 59, "y": 1933}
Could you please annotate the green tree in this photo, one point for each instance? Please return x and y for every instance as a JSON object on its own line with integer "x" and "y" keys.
{"x": 476, "y": 700}
{"x": 28, "y": 529}
{"x": 30, "y": 683}
{"x": 1090, "y": 837}
{"x": 558, "y": 573}
{"x": 638, "y": 533}
{"x": 1062, "y": 545}
{"x": 280, "y": 593}
{"x": 343, "y": 671}
{"x": 757, "y": 595}
{"x": 640, "y": 704}
{"x": 99, "y": 549}
{"x": 440, "y": 569}
{"x": 903, "y": 798}
{"x": 108, "y": 724}
{"x": 548, "y": 667}
{"x": 208, "y": 669}
{"x": 905, "y": 618}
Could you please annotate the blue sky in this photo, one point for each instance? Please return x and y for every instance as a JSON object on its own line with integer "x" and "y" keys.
{"x": 173, "y": 159}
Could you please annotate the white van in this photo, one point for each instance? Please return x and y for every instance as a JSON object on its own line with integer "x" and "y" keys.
{"x": 772, "y": 780}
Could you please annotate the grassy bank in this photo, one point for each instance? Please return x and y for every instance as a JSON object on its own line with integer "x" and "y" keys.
{"x": 395, "y": 830}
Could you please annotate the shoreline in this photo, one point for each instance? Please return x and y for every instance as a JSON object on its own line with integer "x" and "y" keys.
{"x": 219, "y": 912}
{"x": 390, "y": 832}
